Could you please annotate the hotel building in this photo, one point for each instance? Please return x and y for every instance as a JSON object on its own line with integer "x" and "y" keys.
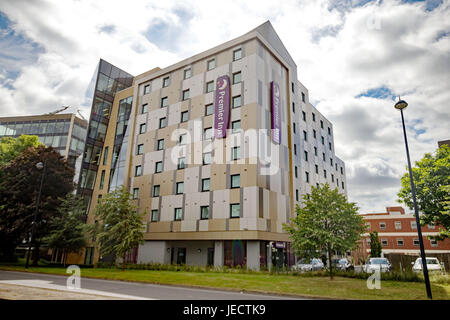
{"x": 217, "y": 150}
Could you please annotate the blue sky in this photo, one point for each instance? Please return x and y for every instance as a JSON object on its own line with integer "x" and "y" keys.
{"x": 355, "y": 57}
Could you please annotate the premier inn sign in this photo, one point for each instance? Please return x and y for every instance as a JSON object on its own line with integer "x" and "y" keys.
{"x": 275, "y": 111}
{"x": 222, "y": 107}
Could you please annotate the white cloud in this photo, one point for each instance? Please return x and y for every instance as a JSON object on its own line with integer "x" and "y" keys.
{"x": 342, "y": 49}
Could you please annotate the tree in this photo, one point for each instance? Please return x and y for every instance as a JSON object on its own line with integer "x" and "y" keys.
{"x": 10, "y": 147}
{"x": 19, "y": 187}
{"x": 326, "y": 223}
{"x": 375, "y": 245}
{"x": 431, "y": 176}
{"x": 121, "y": 227}
{"x": 67, "y": 229}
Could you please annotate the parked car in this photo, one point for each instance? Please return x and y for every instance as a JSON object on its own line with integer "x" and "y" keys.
{"x": 432, "y": 265}
{"x": 342, "y": 264}
{"x": 381, "y": 264}
{"x": 308, "y": 265}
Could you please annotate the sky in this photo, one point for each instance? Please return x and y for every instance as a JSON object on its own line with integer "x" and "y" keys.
{"x": 355, "y": 57}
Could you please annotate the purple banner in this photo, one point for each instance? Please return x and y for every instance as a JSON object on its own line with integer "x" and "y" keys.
{"x": 276, "y": 112}
{"x": 280, "y": 245}
{"x": 222, "y": 107}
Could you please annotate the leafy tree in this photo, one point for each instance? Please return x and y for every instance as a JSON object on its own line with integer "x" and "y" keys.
{"x": 19, "y": 187}
{"x": 375, "y": 245}
{"x": 67, "y": 229}
{"x": 431, "y": 176}
{"x": 10, "y": 147}
{"x": 122, "y": 228}
{"x": 326, "y": 223}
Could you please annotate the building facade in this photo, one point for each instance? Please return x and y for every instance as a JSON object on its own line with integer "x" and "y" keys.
{"x": 64, "y": 132}
{"x": 217, "y": 150}
{"x": 397, "y": 232}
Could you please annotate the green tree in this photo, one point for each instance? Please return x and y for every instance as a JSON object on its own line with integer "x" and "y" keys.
{"x": 375, "y": 245}
{"x": 68, "y": 228}
{"x": 19, "y": 187}
{"x": 121, "y": 228}
{"x": 431, "y": 176}
{"x": 10, "y": 147}
{"x": 326, "y": 223}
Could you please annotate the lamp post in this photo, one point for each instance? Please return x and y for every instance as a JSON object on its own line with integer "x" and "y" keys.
{"x": 39, "y": 166}
{"x": 400, "y": 105}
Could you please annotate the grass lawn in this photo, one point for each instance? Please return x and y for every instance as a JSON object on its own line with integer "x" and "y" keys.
{"x": 339, "y": 287}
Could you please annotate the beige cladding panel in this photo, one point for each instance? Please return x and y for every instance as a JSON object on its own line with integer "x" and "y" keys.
{"x": 163, "y": 226}
{"x": 235, "y": 196}
{"x": 218, "y": 177}
{"x": 168, "y": 205}
{"x": 217, "y": 224}
{"x": 221, "y": 204}
{"x": 191, "y": 179}
{"x": 234, "y": 224}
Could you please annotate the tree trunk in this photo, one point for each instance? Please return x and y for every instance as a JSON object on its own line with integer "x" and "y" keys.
{"x": 65, "y": 257}
{"x": 329, "y": 261}
{"x": 123, "y": 262}
{"x": 35, "y": 255}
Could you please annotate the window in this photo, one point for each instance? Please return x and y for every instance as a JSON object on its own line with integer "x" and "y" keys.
{"x": 236, "y": 181}
{"x": 102, "y": 180}
{"x": 207, "y": 133}
{"x": 207, "y": 158}
{"x": 294, "y": 128}
{"x": 303, "y": 97}
{"x": 321, "y": 124}
{"x": 210, "y": 86}
{"x": 162, "y": 122}
{"x": 235, "y": 153}
{"x": 413, "y": 225}
{"x": 323, "y": 140}
{"x": 305, "y": 135}
{"x": 325, "y": 173}
{"x": 147, "y": 89}
{"x": 304, "y": 115}
{"x": 292, "y": 86}
{"x": 416, "y": 242}
{"x": 182, "y": 139}
{"x": 236, "y": 126}
{"x": 181, "y": 163}
{"x": 166, "y": 82}
{"x": 206, "y": 184}
{"x": 158, "y": 167}
{"x": 337, "y": 182}
{"x": 317, "y": 168}
{"x": 315, "y": 151}
{"x": 295, "y": 149}
{"x": 187, "y": 73}
{"x": 178, "y": 214}
{"x": 236, "y": 102}
{"x": 368, "y": 226}
{"x": 236, "y": 77}
{"x": 329, "y": 145}
{"x": 307, "y": 176}
{"x": 138, "y": 171}
{"x": 164, "y": 102}
{"x": 331, "y": 161}
{"x": 154, "y": 215}
{"x": 156, "y": 190}
{"x": 384, "y": 242}
{"x": 314, "y": 116}
{"x": 431, "y": 226}
{"x": 342, "y": 171}
{"x": 398, "y": 225}
{"x": 105, "y": 156}
{"x": 382, "y": 225}
{"x": 329, "y": 130}
{"x": 296, "y": 195}
{"x": 400, "y": 242}
{"x": 342, "y": 184}
{"x": 237, "y": 54}
{"x": 293, "y": 107}
{"x": 336, "y": 167}
{"x": 209, "y": 109}
{"x": 184, "y": 116}
{"x": 306, "y": 155}
{"x": 204, "y": 212}
{"x": 323, "y": 156}
{"x": 135, "y": 193}
{"x": 314, "y": 133}
{"x": 144, "y": 108}
{"x": 185, "y": 94}
{"x": 332, "y": 177}
{"x": 160, "y": 144}
{"x": 140, "y": 149}
{"x": 235, "y": 210}
{"x": 142, "y": 128}
{"x": 296, "y": 171}
{"x": 179, "y": 187}
{"x": 211, "y": 64}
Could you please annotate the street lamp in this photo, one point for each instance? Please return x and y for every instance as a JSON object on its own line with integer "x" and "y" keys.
{"x": 39, "y": 166}
{"x": 400, "y": 105}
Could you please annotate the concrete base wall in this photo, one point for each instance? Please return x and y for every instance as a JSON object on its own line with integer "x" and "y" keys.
{"x": 154, "y": 252}
{"x": 196, "y": 251}
{"x": 253, "y": 248}
{"x": 218, "y": 254}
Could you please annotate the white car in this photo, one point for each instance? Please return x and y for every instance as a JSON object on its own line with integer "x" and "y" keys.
{"x": 432, "y": 265}
{"x": 312, "y": 265}
{"x": 381, "y": 264}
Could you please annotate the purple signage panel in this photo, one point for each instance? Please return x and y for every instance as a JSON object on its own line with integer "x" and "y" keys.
{"x": 276, "y": 112}
{"x": 222, "y": 107}
{"x": 280, "y": 245}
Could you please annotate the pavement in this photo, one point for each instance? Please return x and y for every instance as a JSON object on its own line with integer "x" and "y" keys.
{"x": 37, "y": 286}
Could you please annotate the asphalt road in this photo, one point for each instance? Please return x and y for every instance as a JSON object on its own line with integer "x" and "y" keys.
{"x": 129, "y": 290}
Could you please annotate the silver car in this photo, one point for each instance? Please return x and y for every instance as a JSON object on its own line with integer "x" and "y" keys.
{"x": 311, "y": 265}
{"x": 381, "y": 264}
{"x": 432, "y": 265}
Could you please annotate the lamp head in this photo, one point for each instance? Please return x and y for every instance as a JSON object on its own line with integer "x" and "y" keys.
{"x": 39, "y": 165}
{"x": 401, "y": 104}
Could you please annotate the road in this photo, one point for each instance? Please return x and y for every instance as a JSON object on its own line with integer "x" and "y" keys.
{"x": 112, "y": 289}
